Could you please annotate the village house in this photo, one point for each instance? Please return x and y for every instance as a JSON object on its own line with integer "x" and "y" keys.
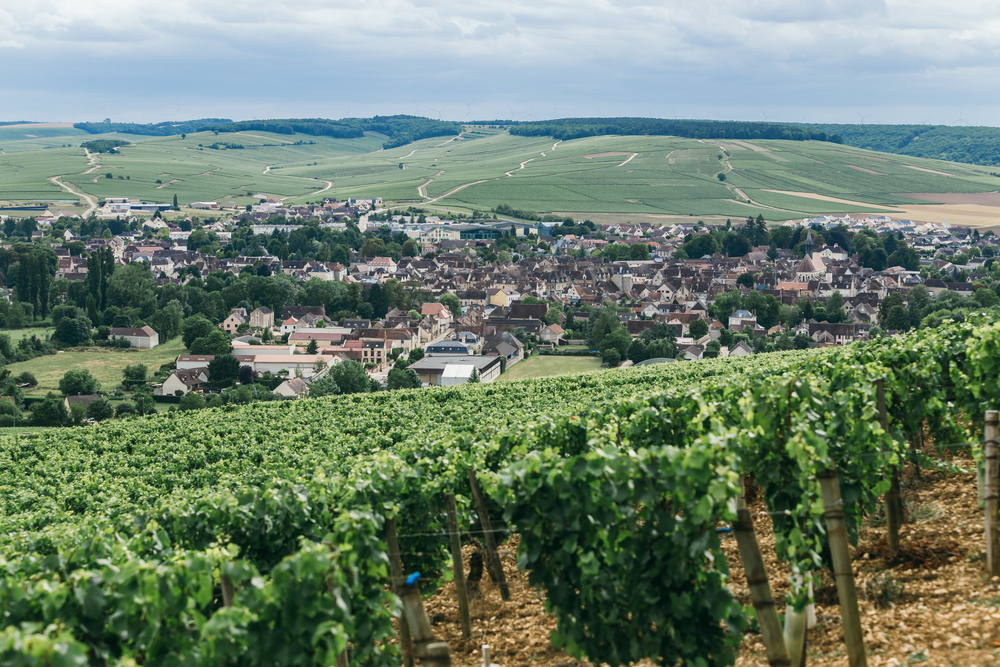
{"x": 144, "y": 337}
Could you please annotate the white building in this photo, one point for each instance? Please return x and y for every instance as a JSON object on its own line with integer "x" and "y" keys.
{"x": 144, "y": 337}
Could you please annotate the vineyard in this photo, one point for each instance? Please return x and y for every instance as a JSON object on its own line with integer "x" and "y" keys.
{"x": 270, "y": 533}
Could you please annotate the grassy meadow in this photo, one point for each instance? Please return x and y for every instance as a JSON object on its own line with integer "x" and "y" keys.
{"x": 482, "y": 168}
{"x": 550, "y": 365}
{"x": 105, "y": 364}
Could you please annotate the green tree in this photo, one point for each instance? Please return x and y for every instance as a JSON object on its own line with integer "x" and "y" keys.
{"x": 725, "y": 305}
{"x": 637, "y": 351}
{"x": 403, "y": 378}
{"x": 986, "y": 298}
{"x": 135, "y": 375}
{"x": 638, "y": 251}
{"x": 100, "y": 409}
{"x": 223, "y": 370}
{"x": 131, "y": 286}
{"x": 50, "y": 412}
{"x": 698, "y": 329}
{"x": 452, "y": 303}
{"x": 617, "y": 339}
{"x": 350, "y": 377}
{"x": 661, "y": 348}
{"x": 144, "y": 403}
{"x": 313, "y": 347}
{"x": 898, "y": 318}
{"x": 325, "y": 386}
{"x": 191, "y": 401}
{"x": 78, "y": 382}
{"x": 168, "y": 321}
{"x": 906, "y": 257}
{"x": 699, "y": 245}
{"x": 416, "y": 354}
{"x": 372, "y": 247}
{"x": 27, "y": 378}
{"x": 606, "y": 322}
{"x": 217, "y": 342}
{"x": 125, "y": 409}
{"x": 73, "y": 331}
{"x": 835, "y": 313}
{"x": 611, "y": 357}
{"x": 195, "y": 327}
{"x": 886, "y": 304}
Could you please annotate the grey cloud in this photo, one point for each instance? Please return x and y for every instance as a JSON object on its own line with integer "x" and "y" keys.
{"x": 579, "y": 57}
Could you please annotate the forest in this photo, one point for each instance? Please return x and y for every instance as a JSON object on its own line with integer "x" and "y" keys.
{"x": 957, "y": 143}
{"x": 165, "y": 129}
{"x": 400, "y": 129}
{"x": 576, "y": 128}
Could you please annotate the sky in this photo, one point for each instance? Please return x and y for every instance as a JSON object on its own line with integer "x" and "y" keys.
{"x": 835, "y": 61}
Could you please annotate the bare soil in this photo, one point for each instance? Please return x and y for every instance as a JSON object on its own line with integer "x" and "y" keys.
{"x": 867, "y": 157}
{"x": 959, "y": 198}
{"x": 929, "y": 171}
{"x": 811, "y": 195}
{"x": 932, "y": 604}
{"x": 867, "y": 171}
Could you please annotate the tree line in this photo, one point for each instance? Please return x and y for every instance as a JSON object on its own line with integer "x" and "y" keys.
{"x": 400, "y": 129}
{"x": 576, "y": 128}
{"x": 956, "y": 143}
{"x": 165, "y": 129}
{"x": 104, "y": 145}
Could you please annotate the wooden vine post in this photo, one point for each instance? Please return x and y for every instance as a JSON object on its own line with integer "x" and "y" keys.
{"x": 893, "y": 497}
{"x": 398, "y": 581}
{"x": 836, "y": 530}
{"x": 459, "y": 567}
{"x": 432, "y": 653}
{"x": 992, "y": 484}
{"x": 491, "y": 543}
{"x": 760, "y": 589}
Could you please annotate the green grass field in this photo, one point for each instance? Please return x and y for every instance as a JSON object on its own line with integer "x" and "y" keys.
{"x": 17, "y": 334}
{"x": 596, "y": 176}
{"x": 105, "y": 364}
{"x": 549, "y": 366}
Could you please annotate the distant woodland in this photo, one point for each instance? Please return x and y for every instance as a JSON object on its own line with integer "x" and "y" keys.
{"x": 166, "y": 129}
{"x": 973, "y": 145}
{"x": 576, "y": 128}
{"x": 103, "y": 145}
{"x": 400, "y": 129}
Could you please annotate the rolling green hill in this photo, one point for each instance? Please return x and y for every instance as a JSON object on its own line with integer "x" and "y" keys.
{"x": 484, "y": 167}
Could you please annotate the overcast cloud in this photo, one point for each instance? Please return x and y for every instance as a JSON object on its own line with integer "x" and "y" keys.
{"x": 792, "y": 60}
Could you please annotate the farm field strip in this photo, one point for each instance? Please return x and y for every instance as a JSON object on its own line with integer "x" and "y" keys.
{"x": 480, "y": 169}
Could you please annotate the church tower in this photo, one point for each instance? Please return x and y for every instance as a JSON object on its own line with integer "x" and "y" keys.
{"x": 809, "y": 243}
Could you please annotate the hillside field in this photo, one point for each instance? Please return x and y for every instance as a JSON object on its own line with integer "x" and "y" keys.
{"x": 649, "y": 178}
{"x": 550, "y": 366}
{"x": 105, "y": 364}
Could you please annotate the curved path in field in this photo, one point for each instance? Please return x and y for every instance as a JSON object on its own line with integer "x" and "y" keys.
{"x": 422, "y": 189}
{"x": 91, "y": 202}
{"x": 329, "y": 184}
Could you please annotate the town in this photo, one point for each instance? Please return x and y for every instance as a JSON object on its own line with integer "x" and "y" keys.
{"x": 416, "y": 300}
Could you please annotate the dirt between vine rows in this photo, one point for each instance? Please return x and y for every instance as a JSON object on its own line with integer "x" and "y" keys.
{"x": 932, "y": 605}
